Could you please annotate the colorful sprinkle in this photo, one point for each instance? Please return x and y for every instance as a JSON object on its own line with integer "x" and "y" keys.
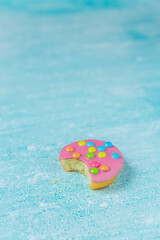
{"x": 102, "y": 154}
{"x": 95, "y": 164}
{"x": 76, "y": 155}
{"x": 81, "y": 143}
{"x": 115, "y": 155}
{"x": 94, "y": 170}
{"x": 108, "y": 144}
{"x": 90, "y": 144}
{"x": 104, "y": 168}
{"x": 69, "y": 149}
{"x": 92, "y": 149}
{"x": 90, "y": 155}
{"x": 101, "y": 148}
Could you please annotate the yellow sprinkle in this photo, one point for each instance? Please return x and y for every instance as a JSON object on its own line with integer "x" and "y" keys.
{"x": 81, "y": 143}
{"x": 102, "y": 154}
{"x": 92, "y": 149}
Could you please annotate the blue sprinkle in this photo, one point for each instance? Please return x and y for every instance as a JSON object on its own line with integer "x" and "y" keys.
{"x": 90, "y": 144}
{"x": 115, "y": 155}
{"x": 108, "y": 144}
{"x": 101, "y": 148}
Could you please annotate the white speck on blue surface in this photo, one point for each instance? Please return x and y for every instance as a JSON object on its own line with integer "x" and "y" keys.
{"x": 73, "y": 70}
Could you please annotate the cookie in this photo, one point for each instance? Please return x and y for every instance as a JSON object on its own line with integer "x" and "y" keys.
{"x": 100, "y": 161}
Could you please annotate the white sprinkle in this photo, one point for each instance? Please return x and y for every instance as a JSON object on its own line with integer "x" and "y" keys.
{"x": 5, "y": 155}
{"x": 104, "y": 204}
{"x": 90, "y": 202}
{"x": 42, "y": 204}
{"x": 31, "y": 148}
{"x": 149, "y": 220}
{"x": 47, "y": 148}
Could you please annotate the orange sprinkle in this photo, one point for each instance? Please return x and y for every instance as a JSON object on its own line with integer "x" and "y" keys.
{"x": 69, "y": 149}
{"x": 104, "y": 168}
{"x": 76, "y": 155}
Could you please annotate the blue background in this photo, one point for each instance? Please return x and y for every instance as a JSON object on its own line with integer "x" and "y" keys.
{"x": 73, "y": 70}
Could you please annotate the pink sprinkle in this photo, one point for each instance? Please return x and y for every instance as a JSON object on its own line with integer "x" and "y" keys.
{"x": 41, "y": 198}
{"x": 95, "y": 164}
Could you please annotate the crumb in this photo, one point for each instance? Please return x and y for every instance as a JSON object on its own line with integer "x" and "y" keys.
{"x": 53, "y": 193}
{"x": 62, "y": 190}
{"x": 104, "y": 204}
{"x": 56, "y": 180}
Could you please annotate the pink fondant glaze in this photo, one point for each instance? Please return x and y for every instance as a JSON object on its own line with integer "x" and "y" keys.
{"x": 115, "y": 165}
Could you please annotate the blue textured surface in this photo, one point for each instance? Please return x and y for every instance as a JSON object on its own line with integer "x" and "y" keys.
{"x": 72, "y": 70}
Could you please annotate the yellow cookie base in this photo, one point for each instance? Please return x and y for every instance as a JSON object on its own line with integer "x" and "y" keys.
{"x": 95, "y": 186}
{"x": 73, "y": 165}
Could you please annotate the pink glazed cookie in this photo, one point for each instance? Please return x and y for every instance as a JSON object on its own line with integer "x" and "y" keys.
{"x": 100, "y": 161}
